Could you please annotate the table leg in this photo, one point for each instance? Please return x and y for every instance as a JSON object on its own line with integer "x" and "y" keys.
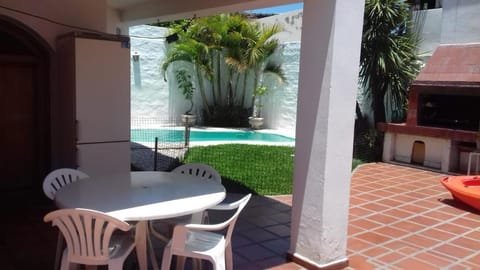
{"x": 153, "y": 258}
{"x": 141, "y": 244}
{"x": 141, "y": 241}
{"x": 197, "y": 218}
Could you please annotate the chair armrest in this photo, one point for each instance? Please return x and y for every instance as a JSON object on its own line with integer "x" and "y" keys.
{"x": 201, "y": 227}
{"x": 226, "y": 206}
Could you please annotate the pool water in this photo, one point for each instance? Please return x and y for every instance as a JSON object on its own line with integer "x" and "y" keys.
{"x": 148, "y": 135}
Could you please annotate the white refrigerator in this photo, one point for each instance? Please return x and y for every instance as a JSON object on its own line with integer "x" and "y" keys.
{"x": 101, "y": 70}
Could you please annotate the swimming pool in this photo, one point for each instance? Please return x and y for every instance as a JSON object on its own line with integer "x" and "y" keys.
{"x": 164, "y": 135}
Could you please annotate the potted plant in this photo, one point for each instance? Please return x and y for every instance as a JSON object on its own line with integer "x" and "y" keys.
{"x": 185, "y": 84}
{"x": 256, "y": 120}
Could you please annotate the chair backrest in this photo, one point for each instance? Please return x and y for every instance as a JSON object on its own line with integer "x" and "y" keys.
{"x": 198, "y": 169}
{"x": 240, "y": 204}
{"x": 87, "y": 233}
{"x": 56, "y": 179}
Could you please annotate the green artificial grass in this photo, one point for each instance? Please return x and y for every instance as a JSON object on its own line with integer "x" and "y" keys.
{"x": 259, "y": 169}
{"x": 356, "y": 162}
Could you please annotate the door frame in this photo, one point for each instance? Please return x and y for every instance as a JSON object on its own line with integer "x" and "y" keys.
{"x": 39, "y": 50}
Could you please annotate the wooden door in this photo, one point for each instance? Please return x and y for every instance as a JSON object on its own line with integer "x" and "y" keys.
{"x": 18, "y": 142}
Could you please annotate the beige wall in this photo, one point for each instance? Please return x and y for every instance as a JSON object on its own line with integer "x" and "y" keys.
{"x": 89, "y": 14}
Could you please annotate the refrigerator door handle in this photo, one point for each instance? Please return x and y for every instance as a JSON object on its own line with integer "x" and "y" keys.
{"x": 77, "y": 129}
{"x": 77, "y": 156}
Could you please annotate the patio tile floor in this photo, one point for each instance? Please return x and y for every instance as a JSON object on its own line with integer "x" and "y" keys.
{"x": 400, "y": 218}
{"x": 403, "y": 218}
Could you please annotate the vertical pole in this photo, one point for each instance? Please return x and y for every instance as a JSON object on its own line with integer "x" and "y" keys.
{"x": 187, "y": 133}
{"x": 155, "y": 155}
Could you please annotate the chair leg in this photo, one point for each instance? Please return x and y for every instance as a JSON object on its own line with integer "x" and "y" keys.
{"x": 69, "y": 266}
{"x": 218, "y": 264}
{"x": 115, "y": 265}
{"x": 152, "y": 252}
{"x": 167, "y": 259}
{"x": 205, "y": 218}
{"x": 228, "y": 258}
{"x": 59, "y": 251}
{"x": 181, "y": 262}
{"x": 65, "y": 264}
{"x": 197, "y": 264}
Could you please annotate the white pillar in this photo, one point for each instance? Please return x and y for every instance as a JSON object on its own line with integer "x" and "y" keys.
{"x": 446, "y": 155}
{"x": 329, "y": 65}
{"x": 389, "y": 146}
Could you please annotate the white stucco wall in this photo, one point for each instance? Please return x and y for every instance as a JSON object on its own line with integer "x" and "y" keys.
{"x": 153, "y": 98}
{"x": 399, "y": 147}
{"x": 458, "y": 21}
{"x": 149, "y": 91}
{"x": 290, "y": 22}
{"x": 461, "y": 21}
{"x": 280, "y": 109}
{"x": 430, "y": 21}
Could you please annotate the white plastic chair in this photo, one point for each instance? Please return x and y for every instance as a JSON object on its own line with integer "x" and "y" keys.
{"x": 204, "y": 172}
{"x": 88, "y": 235}
{"x": 54, "y": 181}
{"x": 200, "y": 170}
{"x": 200, "y": 242}
{"x": 59, "y": 178}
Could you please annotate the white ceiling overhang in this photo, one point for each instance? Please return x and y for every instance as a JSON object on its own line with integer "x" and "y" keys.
{"x": 145, "y": 11}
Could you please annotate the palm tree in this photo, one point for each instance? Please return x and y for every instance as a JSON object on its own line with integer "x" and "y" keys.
{"x": 210, "y": 31}
{"x": 197, "y": 53}
{"x": 388, "y": 60}
{"x": 223, "y": 49}
{"x": 257, "y": 45}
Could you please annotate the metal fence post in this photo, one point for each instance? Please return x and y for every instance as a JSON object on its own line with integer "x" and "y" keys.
{"x": 155, "y": 155}
{"x": 187, "y": 134}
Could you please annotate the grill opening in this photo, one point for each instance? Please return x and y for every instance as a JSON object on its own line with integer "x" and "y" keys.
{"x": 449, "y": 111}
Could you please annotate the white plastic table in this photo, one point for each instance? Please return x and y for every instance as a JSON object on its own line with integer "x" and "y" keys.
{"x": 142, "y": 196}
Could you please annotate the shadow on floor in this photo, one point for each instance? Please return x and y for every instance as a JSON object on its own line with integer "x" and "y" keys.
{"x": 26, "y": 242}
{"x": 261, "y": 237}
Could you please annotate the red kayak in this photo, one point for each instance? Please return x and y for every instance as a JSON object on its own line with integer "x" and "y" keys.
{"x": 464, "y": 188}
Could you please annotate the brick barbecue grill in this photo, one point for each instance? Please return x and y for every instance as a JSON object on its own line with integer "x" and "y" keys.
{"x": 443, "y": 112}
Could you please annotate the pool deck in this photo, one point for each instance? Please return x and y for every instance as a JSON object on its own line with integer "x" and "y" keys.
{"x": 286, "y": 133}
{"x": 270, "y": 131}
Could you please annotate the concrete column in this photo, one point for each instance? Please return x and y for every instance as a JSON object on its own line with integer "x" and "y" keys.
{"x": 329, "y": 65}
{"x": 389, "y": 146}
{"x": 446, "y": 155}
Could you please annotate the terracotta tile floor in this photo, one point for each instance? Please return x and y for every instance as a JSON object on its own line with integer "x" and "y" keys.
{"x": 400, "y": 218}
{"x": 403, "y": 218}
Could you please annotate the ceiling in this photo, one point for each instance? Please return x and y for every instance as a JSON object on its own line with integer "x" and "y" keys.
{"x": 121, "y": 4}
{"x": 142, "y": 11}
